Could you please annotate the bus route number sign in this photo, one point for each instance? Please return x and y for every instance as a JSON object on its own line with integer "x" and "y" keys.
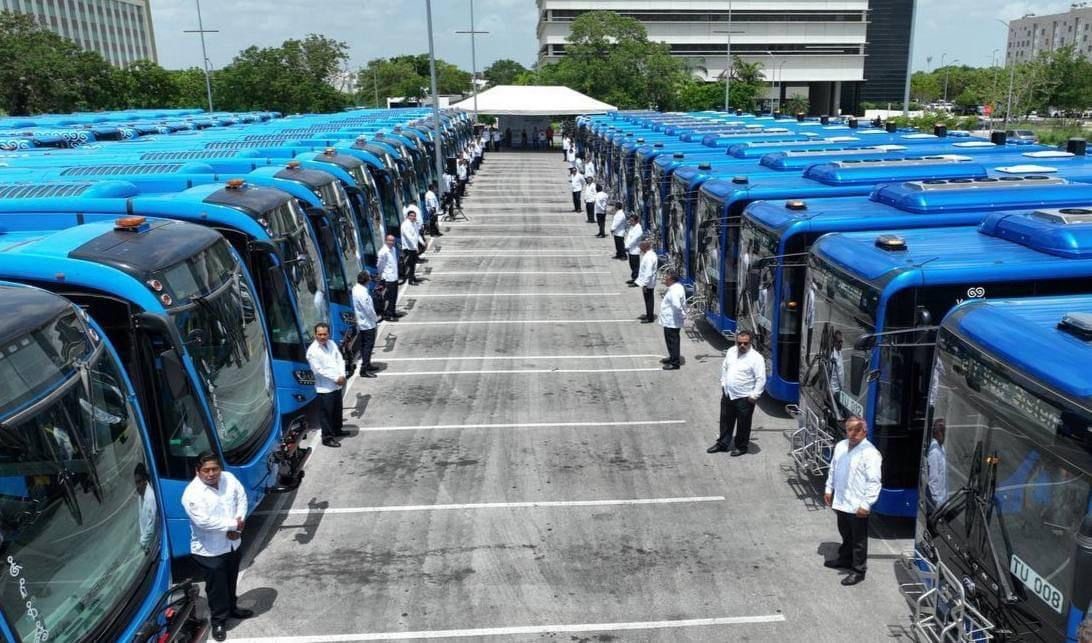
{"x": 1036, "y": 583}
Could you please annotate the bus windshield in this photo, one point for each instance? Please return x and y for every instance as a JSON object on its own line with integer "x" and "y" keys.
{"x": 708, "y": 265}
{"x": 655, "y": 203}
{"x": 756, "y": 270}
{"x": 215, "y": 314}
{"x": 676, "y": 219}
{"x": 1038, "y": 446}
{"x": 79, "y": 536}
{"x": 373, "y": 237}
{"x": 301, "y": 263}
{"x": 336, "y": 202}
{"x": 837, "y": 312}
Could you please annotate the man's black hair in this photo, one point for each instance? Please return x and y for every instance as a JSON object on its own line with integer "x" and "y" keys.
{"x": 363, "y": 277}
{"x": 205, "y": 457}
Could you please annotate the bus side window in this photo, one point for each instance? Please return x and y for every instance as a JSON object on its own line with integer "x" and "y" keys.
{"x": 181, "y": 428}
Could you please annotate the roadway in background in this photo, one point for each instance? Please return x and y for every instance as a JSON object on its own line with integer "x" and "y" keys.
{"x": 524, "y": 470}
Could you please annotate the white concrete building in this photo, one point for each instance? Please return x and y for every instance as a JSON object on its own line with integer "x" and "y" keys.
{"x": 812, "y": 48}
{"x": 120, "y": 30}
{"x": 1032, "y": 34}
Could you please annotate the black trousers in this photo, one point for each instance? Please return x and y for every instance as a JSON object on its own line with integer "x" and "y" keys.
{"x": 619, "y": 247}
{"x": 330, "y": 413}
{"x": 461, "y": 191}
{"x": 735, "y": 417}
{"x": 854, "y": 549}
{"x": 647, "y": 294}
{"x": 576, "y": 200}
{"x": 634, "y": 265}
{"x": 390, "y": 298}
{"x": 589, "y": 208}
{"x": 411, "y": 264}
{"x": 366, "y": 339}
{"x": 601, "y": 219}
{"x": 671, "y": 338}
{"x": 221, "y": 576}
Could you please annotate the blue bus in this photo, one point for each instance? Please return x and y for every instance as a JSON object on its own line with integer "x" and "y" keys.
{"x": 870, "y": 304}
{"x": 720, "y": 205}
{"x": 775, "y": 237}
{"x": 74, "y": 438}
{"x": 1005, "y": 506}
{"x": 273, "y": 253}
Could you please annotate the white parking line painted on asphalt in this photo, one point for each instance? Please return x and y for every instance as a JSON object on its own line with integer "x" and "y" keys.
{"x": 511, "y": 357}
{"x": 521, "y": 630}
{"x": 456, "y": 322}
{"x": 521, "y": 236}
{"x": 499, "y": 505}
{"x": 529, "y": 371}
{"x": 486, "y": 255}
{"x": 510, "y": 294}
{"x": 485, "y": 273}
{"x": 518, "y": 425}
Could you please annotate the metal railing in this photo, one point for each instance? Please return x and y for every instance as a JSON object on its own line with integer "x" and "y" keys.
{"x": 941, "y": 610}
{"x": 811, "y": 445}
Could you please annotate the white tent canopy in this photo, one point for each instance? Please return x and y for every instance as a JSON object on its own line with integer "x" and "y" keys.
{"x": 533, "y": 100}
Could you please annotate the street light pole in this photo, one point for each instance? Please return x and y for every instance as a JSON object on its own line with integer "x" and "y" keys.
{"x": 909, "y": 63}
{"x": 204, "y": 54}
{"x": 728, "y": 64}
{"x": 946, "y": 71}
{"x": 438, "y": 133}
{"x": 1012, "y": 74}
{"x": 473, "y": 59}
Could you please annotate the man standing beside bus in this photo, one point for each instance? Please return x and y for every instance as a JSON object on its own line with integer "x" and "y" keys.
{"x": 326, "y": 362}
{"x": 387, "y": 265}
{"x": 576, "y": 184}
{"x": 742, "y": 380}
{"x": 646, "y": 278}
{"x": 853, "y": 486}
{"x": 216, "y": 505}
{"x": 672, "y": 316}
{"x": 366, "y": 322}
{"x": 411, "y": 245}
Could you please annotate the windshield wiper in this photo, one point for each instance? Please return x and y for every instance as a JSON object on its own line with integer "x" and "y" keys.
{"x": 976, "y": 501}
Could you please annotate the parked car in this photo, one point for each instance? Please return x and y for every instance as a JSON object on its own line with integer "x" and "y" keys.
{"x": 1021, "y": 136}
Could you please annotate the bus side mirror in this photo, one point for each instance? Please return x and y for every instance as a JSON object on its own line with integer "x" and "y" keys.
{"x": 922, "y": 316}
{"x": 857, "y": 367}
{"x": 873, "y": 375}
{"x": 865, "y": 342}
{"x": 174, "y": 372}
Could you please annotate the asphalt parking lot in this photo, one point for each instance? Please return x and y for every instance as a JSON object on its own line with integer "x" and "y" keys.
{"x": 522, "y": 469}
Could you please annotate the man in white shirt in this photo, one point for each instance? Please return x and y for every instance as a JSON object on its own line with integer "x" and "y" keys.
{"x": 146, "y": 507}
{"x": 618, "y": 230}
{"x": 589, "y": 168}
{"x": 216, "y": 505}
{"x": 646, "y": 278}
{"x": 366, "y": 322}
{"x": 672, "y": 316}
{"x": 853, "y": 486}
{"x": 432, "y": 207}
{"x": 411, "y": 244}
{"x": 590, "y": 192}
{"x": 631, "y": 242}
{"x": 325, "y": 360}
{"x": 602, "y": 202}
{"x": 461, "y": 177}
{"x": 576, "y": 184}
{"x": 742, "y": 380}
{"x": 387, "y": 265}
{"x": 565, "y": 143}
{"x": 936, "y": 466}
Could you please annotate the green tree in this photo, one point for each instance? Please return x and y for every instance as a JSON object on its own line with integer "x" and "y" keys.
{"x": 41, "y": 71}
{"x": 609, "y": 57}
{"x": 190, "y": 90}
{"x": 795, "y": 104}
{"x": 407, "y": 76}
{"x": 146, "y": 84}
{"x": 503, "y": 72}
{"x": 298, "y": 76}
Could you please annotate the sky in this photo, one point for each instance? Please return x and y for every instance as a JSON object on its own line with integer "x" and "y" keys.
{"x": 384, "y": 28}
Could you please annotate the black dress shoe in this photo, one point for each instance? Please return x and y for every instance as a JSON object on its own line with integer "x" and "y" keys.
{"x": 647, "y": 320}
{"x": 665, "y": 360}
{"x": 368, "y": 374}
{"x": 415, "y": 282}
{"x": 218, "y": 632}
{"x": 671, "y": 367}
{"x": 633, "y": 285}
{"x": 241, "y": 613}
{"x": 716, "y": 448}
{"x": 422, "y": 261}
{"x": 331, "y": 442}
{"x": 737, "y": 452}
{"x": 852, "y": 579}
{"x": 390, "y": 319}
{"x": 836, "y": 564}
